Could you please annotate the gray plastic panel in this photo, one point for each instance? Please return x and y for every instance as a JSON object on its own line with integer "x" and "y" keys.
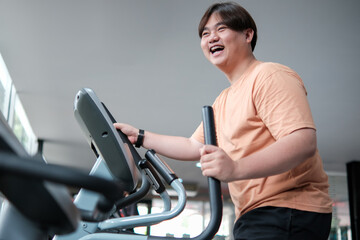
{"x": 100, "y": 132}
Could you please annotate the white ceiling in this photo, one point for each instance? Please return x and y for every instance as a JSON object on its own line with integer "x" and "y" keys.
{"x": 143, "y": 60}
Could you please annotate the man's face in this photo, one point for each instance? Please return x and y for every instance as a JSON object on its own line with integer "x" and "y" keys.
{"x": 221, "y": 45}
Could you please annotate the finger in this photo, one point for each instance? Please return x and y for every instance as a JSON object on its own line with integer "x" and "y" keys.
{"x": 207, "y": 160}
{"x": 128, "y": 130}
{"x": 204, "y": 168}
{"x": 206, "y": 149}
{"x": 121, "y": 126}
{"x": 132, "y": 139}
{"x": 208, "y": 172}
{"x": 118, "y": 125}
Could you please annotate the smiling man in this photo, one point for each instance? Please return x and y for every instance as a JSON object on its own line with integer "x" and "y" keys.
{"x": 267, "y": 151}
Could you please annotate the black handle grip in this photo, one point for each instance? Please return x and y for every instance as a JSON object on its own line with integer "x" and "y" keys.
{"x": 136, "y": 196}
{"x": 216, "y": 204}
{"x": 214, "y": 184}
{"x": 209, "y": 125}
{"x": 152, "y": 176}
{"x": 164, "y": 170}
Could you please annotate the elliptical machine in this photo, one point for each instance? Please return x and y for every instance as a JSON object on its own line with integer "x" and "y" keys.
{"x": 117, "y": 168}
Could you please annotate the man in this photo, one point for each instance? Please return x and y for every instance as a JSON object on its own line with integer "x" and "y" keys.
{"x": 267, "y": 149}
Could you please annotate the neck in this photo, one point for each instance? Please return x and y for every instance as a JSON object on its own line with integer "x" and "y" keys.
{"x": 239, "y": 69}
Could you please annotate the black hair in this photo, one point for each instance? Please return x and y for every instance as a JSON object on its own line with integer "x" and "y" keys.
{"x": 233, "y": 16}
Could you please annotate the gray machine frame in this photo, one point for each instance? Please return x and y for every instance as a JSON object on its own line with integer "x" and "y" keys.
{"x": 102, "y": 192}
{"x": 97, "y": 131}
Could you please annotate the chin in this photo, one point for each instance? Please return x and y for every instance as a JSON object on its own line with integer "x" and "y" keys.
{"x": 218, "y": 64}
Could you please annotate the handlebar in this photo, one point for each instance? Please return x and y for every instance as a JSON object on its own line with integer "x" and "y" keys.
{"x": 214, "y": 184}
{"x": 28, "y": 167}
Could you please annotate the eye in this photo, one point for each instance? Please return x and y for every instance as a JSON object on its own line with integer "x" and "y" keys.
{"x": 222, "y": 28}
{"x": 204, "y": 34}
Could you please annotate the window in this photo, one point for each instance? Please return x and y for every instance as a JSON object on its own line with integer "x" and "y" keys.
{"x": 13, "y": 111}
{"x": 5, "y": 88}
{"x": 21, "y": 127}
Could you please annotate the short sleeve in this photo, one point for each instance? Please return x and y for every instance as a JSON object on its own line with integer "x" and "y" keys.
{"x": 198, "y": 135}
{"x": 199, "y": 132}
{"x": 281, "y": 102}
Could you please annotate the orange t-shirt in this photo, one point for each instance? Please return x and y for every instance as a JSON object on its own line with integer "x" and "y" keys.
{"x": 267, "y": 103}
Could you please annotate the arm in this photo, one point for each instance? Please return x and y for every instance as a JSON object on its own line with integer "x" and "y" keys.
{"x": 283, "y": 155}
{"x": 179, "y": 148}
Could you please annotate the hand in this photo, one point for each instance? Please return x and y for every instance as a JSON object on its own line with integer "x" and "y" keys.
{"x": 130, "y": 131}
{"x": 216, "y": 163}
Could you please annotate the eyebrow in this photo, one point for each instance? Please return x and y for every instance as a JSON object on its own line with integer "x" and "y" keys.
{"x": 216, "y": 25}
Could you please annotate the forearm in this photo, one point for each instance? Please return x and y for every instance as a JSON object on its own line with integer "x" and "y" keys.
{"x": 283, "y": 155}
{"x": 179, "y": 148}
{"x": 174, "y": 147}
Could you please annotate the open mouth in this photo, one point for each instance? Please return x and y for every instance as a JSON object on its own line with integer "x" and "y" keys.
{"x": 216, "y": 48}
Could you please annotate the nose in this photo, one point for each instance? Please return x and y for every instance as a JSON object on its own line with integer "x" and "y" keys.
{"x": 213, "y": 37}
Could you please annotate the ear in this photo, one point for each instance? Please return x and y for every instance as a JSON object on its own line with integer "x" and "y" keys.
{"x": 249, "y": 34}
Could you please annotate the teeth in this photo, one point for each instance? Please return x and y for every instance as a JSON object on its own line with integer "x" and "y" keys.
{"x": 216, "y": 48}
